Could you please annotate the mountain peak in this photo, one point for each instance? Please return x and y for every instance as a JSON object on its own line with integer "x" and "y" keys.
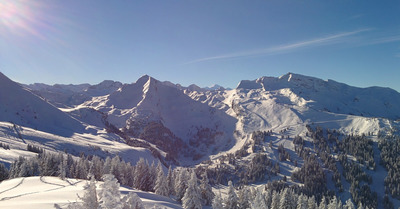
{"x": 144, "y": 79}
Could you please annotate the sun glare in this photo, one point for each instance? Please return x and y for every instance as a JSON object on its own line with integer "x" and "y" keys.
{"x": 17, "y": 17}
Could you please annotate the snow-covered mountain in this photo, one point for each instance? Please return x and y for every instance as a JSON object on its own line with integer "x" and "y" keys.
{"x": 206, "y": 122}
{"x": 71, "y": 95}
{"x": 20, "y": 106}
{"x": 190, "y": 125}
{"x": 164, "y": 115}
{"x": 331, "y": 96}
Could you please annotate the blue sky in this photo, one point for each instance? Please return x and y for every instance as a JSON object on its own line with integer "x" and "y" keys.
{"x": 202, "y": 42}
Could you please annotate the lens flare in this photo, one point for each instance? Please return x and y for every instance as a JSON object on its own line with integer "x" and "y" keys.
{"x": 20, "y": 17}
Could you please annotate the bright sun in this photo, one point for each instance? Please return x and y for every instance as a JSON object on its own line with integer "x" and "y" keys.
{"x": 17, "y": 17}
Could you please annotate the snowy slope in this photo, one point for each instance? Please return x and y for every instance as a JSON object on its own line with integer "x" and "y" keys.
{"x": 101, "y": 144}
{"x": 332, "y": 96}
{"x": 147, "y": 101}
{"x": 71, "y": 95}
{"x": 44, "y": 192}
{"x": 18, "y": 105}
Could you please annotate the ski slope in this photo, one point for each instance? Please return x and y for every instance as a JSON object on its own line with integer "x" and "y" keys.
{"x": 44, "y": 192}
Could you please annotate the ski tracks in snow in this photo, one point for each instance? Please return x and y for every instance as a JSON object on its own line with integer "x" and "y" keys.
{"x": 59, "y": 186}
{"x": 17, "y": 185}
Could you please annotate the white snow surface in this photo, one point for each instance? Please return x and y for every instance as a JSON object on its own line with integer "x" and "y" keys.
{"x": 44, "y": 192}
{"x": 101, "y": 144}
{"x": 20, "y": 106}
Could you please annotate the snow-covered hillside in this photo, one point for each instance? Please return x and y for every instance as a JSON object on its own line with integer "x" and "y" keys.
{"x": 20, "y": 106}
{"x": 137, "y": 108}
{"x": 71, "y": 95}
{"x": 332, "y": 96}
{"x": 44, "y": 192}
{"x": 101, "y": 144}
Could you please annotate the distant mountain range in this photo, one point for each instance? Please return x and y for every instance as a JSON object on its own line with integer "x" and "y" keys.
{"x": 192, "y": 125}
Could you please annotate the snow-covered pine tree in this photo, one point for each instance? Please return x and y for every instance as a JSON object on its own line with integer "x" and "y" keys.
{"x": 83, "y": 168}
{"x": 109, "y": 195}
{"x": 132, "y": 201}
{"x": 171, "y": 181}
{"x": 217, "y": 202}
{"x": 311, "y": 203}
{"x": 97, "y": 167}
{"x": 192, "y": 197}
{"x": 322, "y": 204}
{"x": 3, "y": 172}
{"x": 259, "y": 201}
{"x": 231, "y": 201}
{"x": 115, "y": 168}
{"x": 285, "y": 202}
{"x": 152, "y": 177}
{"x": 161, "y": 186}
{"x": 89, "y": 199}
{"x": 349, "y": 205}
{"x": 244, "y": 196}
{"x": 360, "y": 205}
{"x": 207, "y": 195}
{"x": 275, "y": 203}
{"x": 181, "y": 184}
{"x": 333, "y": 203}
{"x": 62, "y": 167}
{"x": 107, "y": 166}
{"x": 301, "y": 202}
{"x": 141, "y": 175}
{"x": 268, "y": 197}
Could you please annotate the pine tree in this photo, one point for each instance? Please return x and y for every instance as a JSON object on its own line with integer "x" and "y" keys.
{"x": 322, "y": 204}
{"x": 89, "y": 199}
{"x": 115, "y": 168}
{"x": 333, "y": 203}
{"x": 110, "y": 197}
{"x": 302, "y": 202}
{"x": 132, "y": 201}
{"x": 191, "y": 199}
{"x": 207, "y": 194}
{"x": 360, "y": 205}
{"x": 244, "y": 196}
{"x": 275, "y": 203}
{"x": 107, "y": 166}
{"x": 152, "y": 177}
{"x": 170, "y": 182}
{"x": 268, "y": 197}
{"x": 231, "y": 201}
{"x": 349, "y": 205}
{"x": 311, "y": 203}
{"x": 217, "y": 202}
{"x": 141, "y": 175}
{"x": 161, "y": 186}
{"x": 259, "y": 201}
{"x": 285, "y": 201}
{"x": 62, "y": 167}
{"x": 181, "y": 184}
{"x": 3, "y": 172}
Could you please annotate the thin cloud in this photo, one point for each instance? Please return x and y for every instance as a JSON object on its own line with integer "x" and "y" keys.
{"x": 385, "y": 40}
{"x": 328, "y": 40}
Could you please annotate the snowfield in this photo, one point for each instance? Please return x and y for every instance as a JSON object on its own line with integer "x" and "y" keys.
{"x": 44, "y": 192}
{"x": 102, "y": 144}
